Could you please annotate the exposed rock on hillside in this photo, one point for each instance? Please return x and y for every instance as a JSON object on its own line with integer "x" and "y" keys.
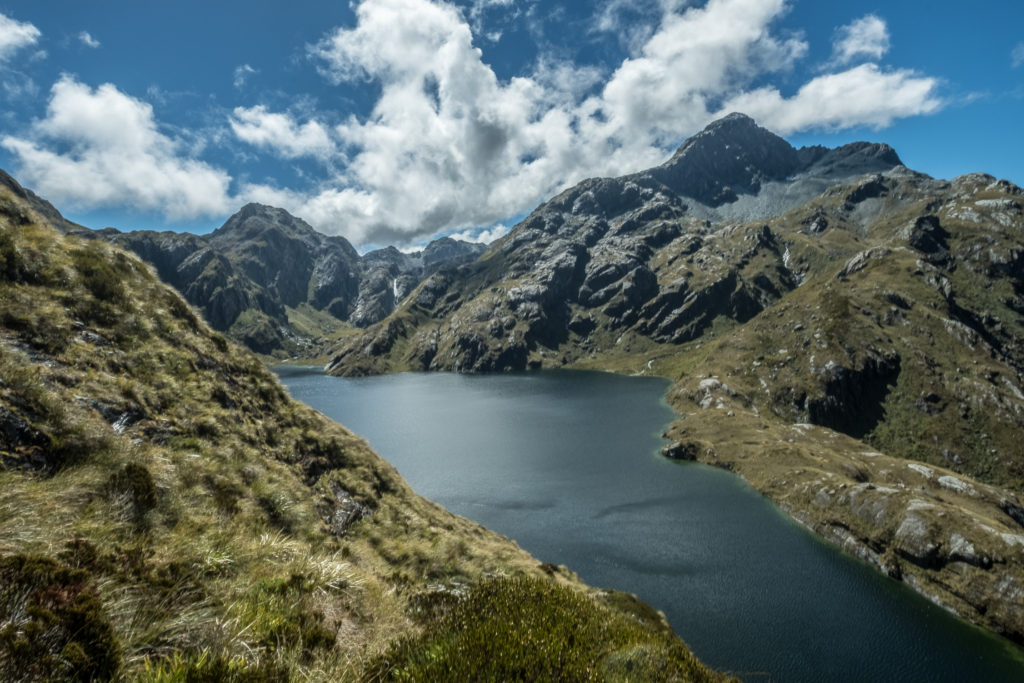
{"x": 836, "y": 293}
{"x": 272, "y": 282}
{"x": 167, "y": 512}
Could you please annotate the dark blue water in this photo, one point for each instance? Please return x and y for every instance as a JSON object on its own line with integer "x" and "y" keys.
{"x": 565, "y": 463}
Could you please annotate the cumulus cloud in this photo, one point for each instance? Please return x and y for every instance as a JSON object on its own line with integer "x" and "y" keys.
{"x": 15, "y": 35}
{"x": 1017, "y": 55}
{"x": 691, "y": 62}
{"x": 242, "y": 74}
{"x": 86, "y": 39}
{"x": 100, "y": 147}
{"x": 450, "y": 147}
{"x": 867, "y": 37}
{"x": 280, "y": 133}
{"x": 864, "y": 95}
{"x": 483, "y": 236}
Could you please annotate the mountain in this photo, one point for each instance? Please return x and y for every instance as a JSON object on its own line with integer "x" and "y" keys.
{"x": 844, "y": 333}
{"x": 270, "y": 281}
{"x": 167, "y": 512}
{"x": 29, "y": 199}
{"x": 595, "y": 258}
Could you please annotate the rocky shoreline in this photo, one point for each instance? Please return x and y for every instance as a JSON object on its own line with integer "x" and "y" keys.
{"x": 950, "y": 538}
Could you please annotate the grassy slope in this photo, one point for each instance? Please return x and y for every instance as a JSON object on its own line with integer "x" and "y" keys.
{"x": 168, "y": 513}
{"x": 917, "y": 351}
{"x": 929, "y": 490}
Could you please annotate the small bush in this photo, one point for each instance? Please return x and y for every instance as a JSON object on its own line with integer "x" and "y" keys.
{"x": 12, "y": 265}
{"x": 47, "y": 333}
{"x": 206, "y": 668}
{"x": 281, "y": 619}
{"x": 104, "y": 282}
{"x": 81, "y": 554}
{"x": 54, "y": 626}
{"x": 99, "y": 276}
{"x": 225, "y": 492}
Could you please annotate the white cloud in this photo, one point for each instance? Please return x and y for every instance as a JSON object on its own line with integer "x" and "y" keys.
{"x": 863, "y": 95}
{"x": 478, "y": 11}
{"x": 867, "y": 37}
{"x": 15, "y": 35}
{"x": 631, "y": 21}
{"x": 690, "y": 63}
{"x": 482, "y": 236}
{"x": 280, "y": 133}
{"x": 450, "y": 147}
{"x": 86, "y": 38}
{"x": 1017, "y": 55}
{"x": 242, "y": 74}
{"x": 102, "y": 147}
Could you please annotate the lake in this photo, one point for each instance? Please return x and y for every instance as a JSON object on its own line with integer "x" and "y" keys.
{"x": 566, "y": 464}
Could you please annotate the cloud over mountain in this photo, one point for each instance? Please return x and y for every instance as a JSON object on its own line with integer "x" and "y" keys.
{"x": 439, "y": 142}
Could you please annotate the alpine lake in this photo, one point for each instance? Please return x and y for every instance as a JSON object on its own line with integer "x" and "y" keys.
{"x": 566, "y": 463}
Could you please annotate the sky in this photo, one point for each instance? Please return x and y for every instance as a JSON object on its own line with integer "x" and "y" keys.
{"x": 399, "y": 121}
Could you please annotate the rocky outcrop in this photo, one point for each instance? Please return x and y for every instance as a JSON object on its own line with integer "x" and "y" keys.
{"x": 851, "y": 399}
{"x": 611, "y": 257}
{"x": 263, "y": 261}
{"x": 731, "y": 156}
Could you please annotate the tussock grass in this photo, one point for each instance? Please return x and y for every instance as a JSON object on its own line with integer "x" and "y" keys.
{"x": 164, "y": 477}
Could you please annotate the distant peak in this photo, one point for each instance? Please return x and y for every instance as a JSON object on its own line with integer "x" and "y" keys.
{"x": 732, "y": 154}
{"x": 732, "y": 119}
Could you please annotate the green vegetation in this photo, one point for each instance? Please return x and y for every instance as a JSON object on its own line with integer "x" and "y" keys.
{"x": 52, "y": 624}
{"x": 556, "y": 634}
{"x": 167, "y": 513}
{"x": 858, "y": 359}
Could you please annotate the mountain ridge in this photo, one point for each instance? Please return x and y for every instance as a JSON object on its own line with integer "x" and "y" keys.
{"x": 843, "y": 332}
{"x": 167, "y": 512}
{"x": 849, "y": 339}
{"x": 272, "y": 282}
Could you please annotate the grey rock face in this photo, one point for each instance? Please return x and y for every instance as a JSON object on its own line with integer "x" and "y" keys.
{"x": 264, "y": 260}
{"x": 590, "y": 261}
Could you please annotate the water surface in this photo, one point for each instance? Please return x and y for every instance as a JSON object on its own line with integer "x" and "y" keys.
{"x": 566, "y": 464}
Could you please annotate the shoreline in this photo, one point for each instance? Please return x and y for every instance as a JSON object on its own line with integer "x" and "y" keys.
{"x": 911, "y": 524}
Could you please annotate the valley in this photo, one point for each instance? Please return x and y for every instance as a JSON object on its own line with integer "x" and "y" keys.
{"x": 842, "y": 332}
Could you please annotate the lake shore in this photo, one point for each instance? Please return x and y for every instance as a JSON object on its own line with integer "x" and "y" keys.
{"x": 946, "y": 536}
{"x": 759, "y": 565}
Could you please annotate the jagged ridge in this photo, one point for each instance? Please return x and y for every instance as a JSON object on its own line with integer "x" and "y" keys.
{"x": 866, "y": 325}
{"x": 168, "y": 513}
{"x": 272, "y": 282}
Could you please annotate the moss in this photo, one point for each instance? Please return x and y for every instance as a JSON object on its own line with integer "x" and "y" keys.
{"x": 55, "y": 627}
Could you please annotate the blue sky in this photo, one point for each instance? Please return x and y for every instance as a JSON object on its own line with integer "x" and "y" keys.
{"x": 395, "y": 121}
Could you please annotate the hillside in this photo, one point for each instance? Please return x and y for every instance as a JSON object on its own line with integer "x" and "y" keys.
{"x": 843, "y": 332}
{"x": 168, "y": 513}
{"x": 271, "y": 282}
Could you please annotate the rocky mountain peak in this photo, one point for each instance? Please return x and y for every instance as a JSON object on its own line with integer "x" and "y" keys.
{"x": 731, "y": 155}
{"x": 255, "y": 219}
